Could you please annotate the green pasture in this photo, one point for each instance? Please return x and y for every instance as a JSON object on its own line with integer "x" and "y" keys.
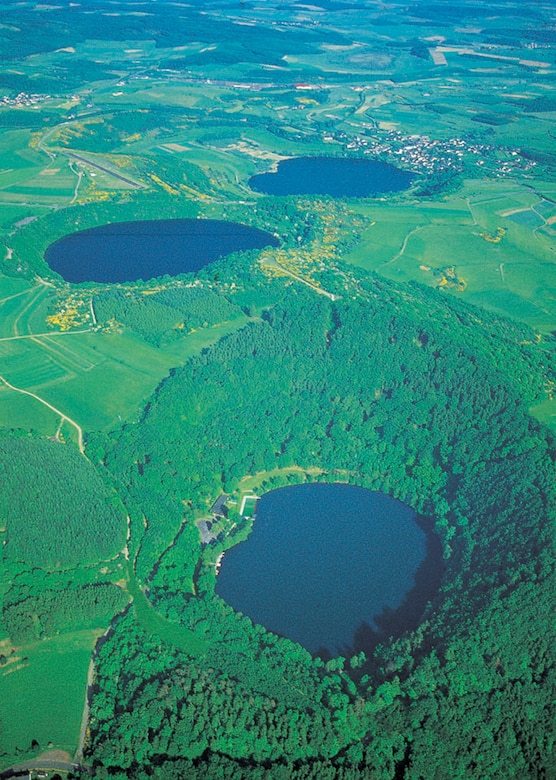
{"x": 392, "y": 226}
{"x": 469, "y": 105}
{"x": 15, "y": 151}
{"x": 512, "y": 273}
{"x": 36, "y": 203}
{"x": 11, "y": 178}
{"x": 22, "y": 411}
{"x": 28, "y": 367}
{"x": 28, "y": 175}
{"x": 42, "y": 694}
{"x": 97, "y": 379}
{"x": 150, "y": 94}
{"x": 18, "y": 310}
{"x": 286, "y": 146}
{"x": 530, "y": 131}
{"x": 12, "y": 286}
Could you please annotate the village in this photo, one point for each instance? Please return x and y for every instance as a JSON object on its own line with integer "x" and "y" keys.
{"x": 422, "y": 154}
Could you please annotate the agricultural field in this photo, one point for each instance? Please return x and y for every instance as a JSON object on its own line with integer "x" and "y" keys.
{"x": 491, "y": 246}
{"x": 164, "y": 119}
{"x": 47, "y": 681}
{"x": 82, "y": 377}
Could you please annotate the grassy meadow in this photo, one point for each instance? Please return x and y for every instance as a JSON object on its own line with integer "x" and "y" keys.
{"x": 503, "y": 260}
{"x": 43, "y": 692}
{"x": 98, "y": 379}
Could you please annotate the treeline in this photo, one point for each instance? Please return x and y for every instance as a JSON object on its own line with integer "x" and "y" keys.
{"x": 167, "y": 27}
{"x": 280, "y": 705}
{"x": 56, "y": 509}
{"x": 51, "y": 612}
{"x": 31, "y": 243}
{"x": 394, "y": 389}
{"x": 160, "y": 317}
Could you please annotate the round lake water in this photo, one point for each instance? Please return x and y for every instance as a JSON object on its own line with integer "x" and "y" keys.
{"x": 339, "y": 177}
{"x": 332, "y": 567}
{"x": 127, "y": 251}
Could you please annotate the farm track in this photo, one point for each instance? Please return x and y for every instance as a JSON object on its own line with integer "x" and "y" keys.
{"x": 49, "y": 334}
{"x": 404, "y": 245}
{"x": 35, "y": 295}
{"x": 63, "y": 416}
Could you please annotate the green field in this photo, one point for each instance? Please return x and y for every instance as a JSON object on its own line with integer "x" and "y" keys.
{"x": 97, "y": 379}
{"x": 42, "y": 690}
{"x": 506, "y": 266}
{"x": 154, "y": 623}
{"x": 117, "y": 113}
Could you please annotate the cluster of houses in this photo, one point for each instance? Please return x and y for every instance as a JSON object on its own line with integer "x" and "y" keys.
{"x": 23, "y": 99}
{"x": 424, "y": 154}
{"x": 211, "y": 528}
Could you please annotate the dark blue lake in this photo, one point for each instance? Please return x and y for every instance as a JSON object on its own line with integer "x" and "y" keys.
{"x": 333, "y": 567}
{"x": 339, "y": 177}
{"x": 127, "y": 251}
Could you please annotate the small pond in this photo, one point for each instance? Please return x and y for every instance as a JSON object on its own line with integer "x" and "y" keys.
{"x": 333, "y": 567}
{"x": 338, "y": 177}
{"x": 127, "y": 251}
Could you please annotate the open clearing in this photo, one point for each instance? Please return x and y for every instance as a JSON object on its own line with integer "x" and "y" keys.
{"x": 47, "y": 680}
{"x": 507, "y": 266}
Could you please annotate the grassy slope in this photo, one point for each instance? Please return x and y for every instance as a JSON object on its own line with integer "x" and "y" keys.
{"x": 42, "y": 691}
{"x": 514, "y": 276}
{"x": 97, "y": 379}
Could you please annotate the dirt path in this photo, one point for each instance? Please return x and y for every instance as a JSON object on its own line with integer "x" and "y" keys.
{"x": 15, "y": 295}
{"x": 49, "y": 334}
{"x": 404, "y": 245}
{"x": 321, "y": 291}
{"x": 53, "y": 408}
{"x": 36, "y": 293}
{"x": 85, "y": 717}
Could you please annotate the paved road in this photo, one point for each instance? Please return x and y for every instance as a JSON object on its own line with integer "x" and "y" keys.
{"x": 20, "y": 770}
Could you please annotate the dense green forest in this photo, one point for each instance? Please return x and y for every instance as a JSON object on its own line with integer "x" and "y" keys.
{"x": 396, "y": 390}
{"x": 392, "y": 387}
{"x": 160, "y": 317}
{"x": 49, "y": 612}
{"x": 38, "y": 476}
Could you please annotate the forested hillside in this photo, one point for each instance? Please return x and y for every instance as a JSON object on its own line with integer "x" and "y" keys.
{"x": 396, "y": 331}
{"x": 396, "y": 390}
{"x": 55, "y": 509}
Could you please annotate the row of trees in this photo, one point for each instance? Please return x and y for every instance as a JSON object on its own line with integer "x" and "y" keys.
{"x": 51, "y": 612}
{"x": 162, "y": 316}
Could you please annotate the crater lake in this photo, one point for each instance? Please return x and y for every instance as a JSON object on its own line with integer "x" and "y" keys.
{"x": 338, "y": 177}
{"x": 128, "y": 251}
{"x": 333, "y": 567}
